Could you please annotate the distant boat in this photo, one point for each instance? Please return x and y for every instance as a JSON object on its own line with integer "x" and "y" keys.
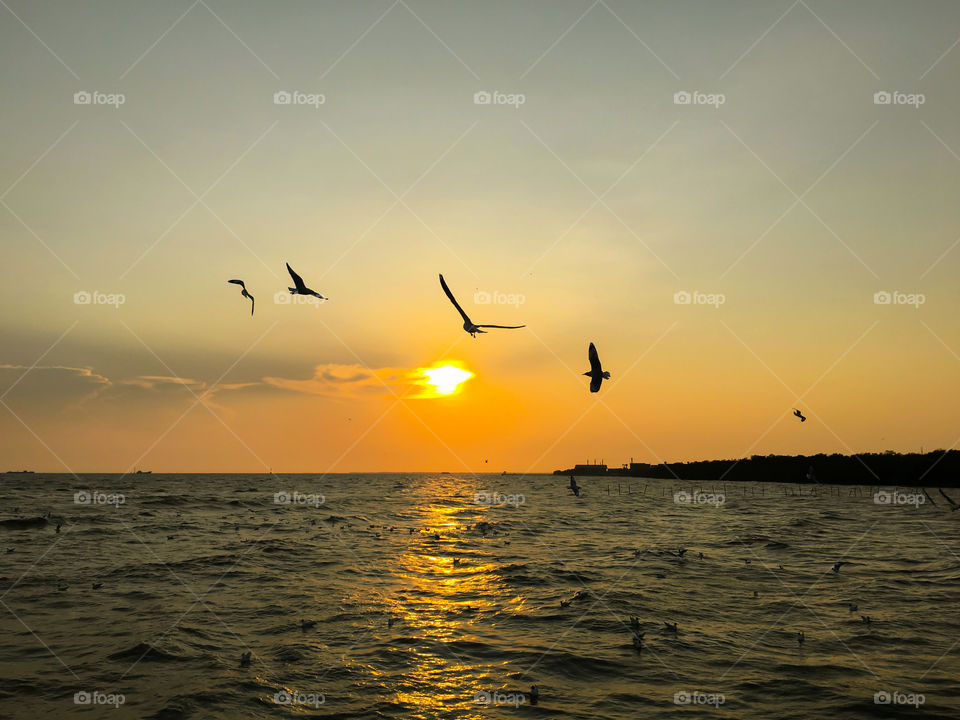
{"x": 143, "y": 472}
{"x": 20, "y": 472}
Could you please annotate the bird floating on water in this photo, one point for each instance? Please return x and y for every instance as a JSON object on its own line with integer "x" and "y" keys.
{"x": 799, "y": 415}
{"x": 300, "y": 288}
{"x": 97, "y": 586}
{"x": 865, "y": 619}
{"x": 672, "y": 627}
{"x": 852, "y": 607}
{"x": 840, "y": 563}
{"x": 801, "y": 637}
{"x": 307, "y": 624}
{"x": 245, "y": 659}
{"x": 638, "y": 640}
{"x": 243, "y": 292}
{"x": 468, "y": 325}
{"x": 597, "y": 374}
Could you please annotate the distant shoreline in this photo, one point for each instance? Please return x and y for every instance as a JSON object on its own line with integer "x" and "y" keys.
{"x": 938, "y": 468}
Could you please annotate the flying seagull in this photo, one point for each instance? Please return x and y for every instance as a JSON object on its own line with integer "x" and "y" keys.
{"x": 799, "y": 415}
{"x": 300, "y": 288}
{"x": 597, "y": 374}
{"x": 574, "y": 487}
{"x": 953, "y": 504}
{"x": 468, "y": 324}
{"x": 243, "y": 291}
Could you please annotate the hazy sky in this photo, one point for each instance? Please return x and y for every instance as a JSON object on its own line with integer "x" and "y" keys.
{"x": 786, "y": 188}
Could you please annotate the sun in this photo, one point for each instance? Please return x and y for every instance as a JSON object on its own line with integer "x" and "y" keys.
{"x": 446, "y": 379}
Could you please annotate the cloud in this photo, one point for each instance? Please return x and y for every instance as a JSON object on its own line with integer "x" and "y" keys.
{"x": 47, "y": 382}
{"x": 350, "y": 381}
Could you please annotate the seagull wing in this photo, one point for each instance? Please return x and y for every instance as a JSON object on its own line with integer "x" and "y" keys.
{"x": 797, "y": 413}
{"x": 252, "y": 301}
{"x": 238, "y": 282}
{"x": 503, "y": 327}
{"x": 595, "y": 382}
{"x": 594, "y": 359}
{"x": 443, "y": 284}
{"x": 297, "y": 280}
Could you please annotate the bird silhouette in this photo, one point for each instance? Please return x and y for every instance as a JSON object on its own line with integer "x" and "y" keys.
{"x": 799, "y": 415}
{"x": 468, "y": 325}
{"x": 597, "y": 374}
{"x": 300, "y": 288}
{"x": 243, "y": 292}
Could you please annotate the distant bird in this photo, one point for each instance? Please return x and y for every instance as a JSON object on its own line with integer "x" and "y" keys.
{"x": 597, "y": 374}
{"x": 756, "y": 594}
{"x": 634, "y": 623}
{"x": 953, "y": 505}
{"x": 534, "y": 694}
{"x": 456, "y": 562}
{"x": 865, "y": 619}
{"x": 799, "y": 415}
{"x": 61, "y": 587}
{"x": 574, "y": 487}
{"x": 97, "y": 586}
{"x": 780, "y": 566}
{"x": 747, "y": 560}
{"x": 564, "y": 603}
{"x": 300, "y": 288}
{"x": 837, "y": 565}
{"x": 243, "y": 292}
{"x": 245, "y": 659}
{"x": 307, "y": 624}
{"x": 59, "y": 525}
{"x": 468, "y": 325}
{"x": 390, "y": 622}
{"x": 852, "y": 607}
{"x": 672, "y": 627}
{"x": 801, "y": 637}
{"x": 700, "y": 556}
{"x": 638, "y": 641}
{"x": 660, "y": 576}
{"x": 681, "y": 551}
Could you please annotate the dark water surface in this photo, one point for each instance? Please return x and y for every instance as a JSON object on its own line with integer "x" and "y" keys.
{"x": 402, "y": 632}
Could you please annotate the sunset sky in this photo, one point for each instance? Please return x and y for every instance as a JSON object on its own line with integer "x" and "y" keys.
{"x": 794, "y": 199}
